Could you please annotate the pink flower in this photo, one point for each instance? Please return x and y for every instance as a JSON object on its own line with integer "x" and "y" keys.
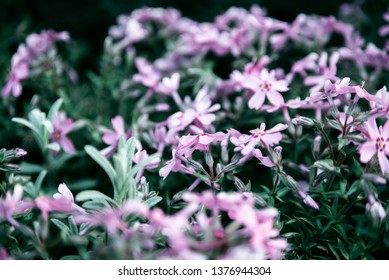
{"x": 112, "y": 219}
{"x": 263, "y": 86}
{"x": 3, "y": 254}
{"x": 377, "y": 143}
{"x": 23, "y": 59}
{"x": 112, "y": 137}
{"x": 148, "y": 75}
{"x": 160, "y": 137}
{"x": 169, "y": 85}
{"x": 61, "y": 127}
{"x": 380, "y": 101}
{"x": 200, "y": 112}
{"x": 266, "y": 137}
{"x": 323, "y": 72}
{"x": 18, "y": 73}
{"x": 11, "y": 204}
{"x": 65, "y": 194}
{"x": 188, "y": 144}
{"x": 47, "y": 205}
{"x": 172, "y": 165}
{"x": 384, "y": 30}
{"x": 143, "y": 155}
{"x": 128, "y": 31}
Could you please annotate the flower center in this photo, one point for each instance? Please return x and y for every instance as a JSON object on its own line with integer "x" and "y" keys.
{"x": 265, "y": 86}
{"x": 260, "y": 132}
{"x": 56, "y": 135}
{"x": 381, "y": 143}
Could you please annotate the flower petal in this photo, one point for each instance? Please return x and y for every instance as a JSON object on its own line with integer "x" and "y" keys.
{"x": 367, "y": 151}
{"x": 256, "y": 101}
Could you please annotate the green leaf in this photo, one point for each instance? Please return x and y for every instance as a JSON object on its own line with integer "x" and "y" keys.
{"x": 152, "y": 201}
{"x": 95, "y": 204}
{"x": 93, "y": 195}
{"x": 30, "y": 168}
{"x": 72, "y": 225}
{"x": 342, "y": 143}
{"x": 54, "y": 109}
{"x": 71, "y": 257}
{"x": 39, "y": 179}
{"x": 53, "y": 147}
{"x": 130, "y": 146}
{"x": 64, "y": 228}
{"x": 27, "y": 124}
{"x": 102, "y": 161}
{"x": 82, "y": 184}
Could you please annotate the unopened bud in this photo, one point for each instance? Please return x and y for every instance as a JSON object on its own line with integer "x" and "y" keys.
{"x": 303, "y": 121}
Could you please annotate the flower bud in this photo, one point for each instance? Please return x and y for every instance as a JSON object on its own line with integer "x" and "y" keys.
{"x": 303, "y": 121}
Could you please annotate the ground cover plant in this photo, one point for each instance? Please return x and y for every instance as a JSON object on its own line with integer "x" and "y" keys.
{"x": 242, "y": 138}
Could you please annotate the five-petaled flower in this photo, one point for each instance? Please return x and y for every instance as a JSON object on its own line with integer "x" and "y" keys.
{"x": 112, "y": 137}
{"x": 266, "y": 137}
{"x": 61, "y": 127}
{"x": 266, "y": 85}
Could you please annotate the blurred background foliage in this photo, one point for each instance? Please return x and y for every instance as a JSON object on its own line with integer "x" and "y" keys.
{"x": 88, "y": 22}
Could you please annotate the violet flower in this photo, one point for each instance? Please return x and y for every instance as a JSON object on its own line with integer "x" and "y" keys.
{"x": 188, "y": 144}
{"x": 26, "y": 54}
{"x": 147, "y": 74}
{"x": 112, "y": 137}
{"x": 48, "y": 204}
{"x": 377, "y": 143}
{"x": 266, "y": 137}
{"x": 323, "y": 72}
{"x": 10, "y": 205}
{"x": 263, "y": 86}
{"x": 61, "y": 127}
{"x": 171, "y": 165}
{"x": 18, "y": 73}
{"x": 65, "y": 194}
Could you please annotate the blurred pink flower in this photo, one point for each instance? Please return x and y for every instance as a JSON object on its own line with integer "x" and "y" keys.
{"x": 25, "y": 56}
{"x": 47, "y": 205}
{"x": 375, "y": 208}
{"x": 61, "y": 127}
{"x": 377, "y": 143}
{"x": 147, "y": 74}
{"x": 18, "y": 73}
{"x": 112, "y": 137}
{"x": 171, "y": 165}
{"x": 10, "y": 205}
{"x": 65, "y": 194}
